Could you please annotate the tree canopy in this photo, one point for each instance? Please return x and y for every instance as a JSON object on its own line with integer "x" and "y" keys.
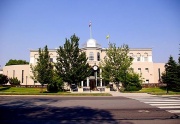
{"x": 3, "y": 79}
{"x": 16, "y": 62}
{"x": 72, "y": 63}
{"x": 116, "y": 63}
{"x": 171, "y": 76}
{"x": 116, "y": 66}
{"x": 43, "y": 70}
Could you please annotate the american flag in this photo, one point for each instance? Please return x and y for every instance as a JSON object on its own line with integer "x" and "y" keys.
{"x": 89, "y": 24}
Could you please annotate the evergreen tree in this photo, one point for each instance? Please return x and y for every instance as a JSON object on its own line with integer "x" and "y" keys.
{"x": 43, "y": 70}
{"x": 3, "y": 79}
{"x": 171, "y": 73}
{"x": 116, "y": 65}
{"x": 72, "y": 63}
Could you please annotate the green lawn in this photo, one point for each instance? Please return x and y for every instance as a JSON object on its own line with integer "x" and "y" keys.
{"x": 37, "y": 91}
{"x": 157, "y": 91}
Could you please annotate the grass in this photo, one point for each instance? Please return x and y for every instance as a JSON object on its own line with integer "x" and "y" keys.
{"x": 37, "y": 91}
{"x": 157, "y": 91}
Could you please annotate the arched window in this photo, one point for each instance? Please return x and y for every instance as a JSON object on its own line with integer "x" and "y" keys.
{"x": 91, "y": 56}
{"x": 98, "y": 56}
{"x": 138, "y": 57}
{"x": 145, "y": 57}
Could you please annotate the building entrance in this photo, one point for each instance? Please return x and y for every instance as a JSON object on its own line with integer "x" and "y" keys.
{"x": 92, "y": 85}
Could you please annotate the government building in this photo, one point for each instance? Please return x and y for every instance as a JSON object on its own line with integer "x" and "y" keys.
{"x": 142, "y": 64}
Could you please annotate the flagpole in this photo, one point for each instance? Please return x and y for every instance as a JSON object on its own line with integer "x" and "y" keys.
{"x": 108, "y": 39}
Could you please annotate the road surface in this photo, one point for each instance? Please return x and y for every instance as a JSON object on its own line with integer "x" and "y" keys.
{"x": 84, "y": 110}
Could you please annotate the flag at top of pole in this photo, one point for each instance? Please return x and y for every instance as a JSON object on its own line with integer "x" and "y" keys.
{"x": 90, "y": 25}
{"x": 108, "y": 37}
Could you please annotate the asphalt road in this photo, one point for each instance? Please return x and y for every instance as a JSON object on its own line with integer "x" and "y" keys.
{"x": 80, "y": 110}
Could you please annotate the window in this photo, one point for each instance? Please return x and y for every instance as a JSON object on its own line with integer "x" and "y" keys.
{"x": 13, "y": 73}
{"x": 138, "y": 59}
{"x": 139, "y": 69}
{"x": 91, "y": 56}
{"x": 98, "y": 56}
{"x": 22, "y": 76}
{"x": 147, "y": 69}
{"x": 147, "y": 81}
{"x": 145, "y": 59}
{"x": 51, "y": 59}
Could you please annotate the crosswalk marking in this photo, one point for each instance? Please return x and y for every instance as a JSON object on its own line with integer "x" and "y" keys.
{"x": 173, "y": 111}
{"x": 164, "y": 104}
{"x": 169, "y": 103}
{"x": 161, "y": 102}
{"x": 169, "y": 107}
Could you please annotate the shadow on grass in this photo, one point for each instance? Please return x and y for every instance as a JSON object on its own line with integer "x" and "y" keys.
{"x": 4, "y": 88}
{"x": 41, "y": 111}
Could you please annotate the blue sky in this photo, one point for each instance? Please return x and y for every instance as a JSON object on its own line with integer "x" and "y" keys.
{"x": 31, "y": 24}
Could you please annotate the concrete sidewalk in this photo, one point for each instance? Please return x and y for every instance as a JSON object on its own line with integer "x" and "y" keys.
{"x": 129, "y": 94}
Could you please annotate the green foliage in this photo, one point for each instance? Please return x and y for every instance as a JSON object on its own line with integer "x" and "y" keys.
{"x": 43, "y": 70}
{"x": 3, "y": 79}
{"x": 133, "y": 82}
{"x": 72, "y": 63}
{"x": 14, "y": 81}
{"x": 56, "y": 85}
{"x": 116, "y": 63}
{"x": 171, "y": 76}
{"x": 16, "y": 62}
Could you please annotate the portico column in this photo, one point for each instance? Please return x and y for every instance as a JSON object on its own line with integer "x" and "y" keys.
{"x": 87, "y": 82}
{"x": 81, "y": 83}
{"x": 100, "y": 77}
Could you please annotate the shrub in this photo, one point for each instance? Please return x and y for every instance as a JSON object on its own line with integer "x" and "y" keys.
{"x": 52, "y": 87}
{"x": 14, "y": 81}
{"x": 55, "y": 85}
{"x": 133, "y": 88}
{"x": 3, "y": 79}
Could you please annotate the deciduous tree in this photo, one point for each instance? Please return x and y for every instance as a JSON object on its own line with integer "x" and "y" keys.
{"x": 43, "y": 70}
{"x": 116, "y": 66}
{"x": 16, "y": 62}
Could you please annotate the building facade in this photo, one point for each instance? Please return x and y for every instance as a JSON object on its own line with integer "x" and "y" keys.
{"x": 142, "y": 64}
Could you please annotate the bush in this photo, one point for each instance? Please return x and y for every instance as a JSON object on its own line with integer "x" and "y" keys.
{"x": 52, "y": 87}
{"x": 14, "y": 81}
{"x": 55, "y": 85}
{"x": 133, "y": 88}
{"x": 3, "y": 79}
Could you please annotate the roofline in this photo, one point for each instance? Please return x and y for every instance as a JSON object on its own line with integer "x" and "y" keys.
{"x": 131, "y": 49}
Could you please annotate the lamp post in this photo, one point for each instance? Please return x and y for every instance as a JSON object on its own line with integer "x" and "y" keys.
{"x": 95, "y": 68}
{"x": 167, "y": 86}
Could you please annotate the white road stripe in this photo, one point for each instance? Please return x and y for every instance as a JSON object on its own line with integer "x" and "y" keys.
{"x": 165, "y": 104}
{"x": 161, "y": 102}
{"x": 173, "y": 111}
{"x": 170, "y": 100}
{"x": 168, "y": 107}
